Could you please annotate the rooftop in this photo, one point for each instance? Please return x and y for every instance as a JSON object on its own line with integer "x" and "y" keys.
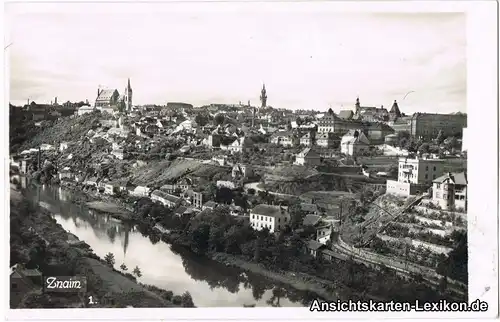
{"x": 268, "y": 210}
{"x": 456, "y": 178}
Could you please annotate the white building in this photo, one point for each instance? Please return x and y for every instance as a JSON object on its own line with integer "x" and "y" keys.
{"x": 85, "y": 109}
{"x": 308, "y": 157}
{"x": 419, "y": 170}
{"x": 354, "y": 142}
{"x": 415, "y": 176}
{"x": 465, "y": 138}
{"x": 274, "y": 218}
{"x": 450, "y": 191}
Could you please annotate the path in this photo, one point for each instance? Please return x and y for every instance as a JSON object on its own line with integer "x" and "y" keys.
{"x": 256, "y": 186}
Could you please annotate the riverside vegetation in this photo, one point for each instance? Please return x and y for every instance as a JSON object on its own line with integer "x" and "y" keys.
{"x": 37, "y": 240}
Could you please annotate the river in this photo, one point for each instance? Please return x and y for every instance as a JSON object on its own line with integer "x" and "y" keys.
{"x": 211, "y": 284}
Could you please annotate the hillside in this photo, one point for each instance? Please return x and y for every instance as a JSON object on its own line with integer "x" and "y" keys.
{"x": 63, "y": 130}
{"x": 161, "y": 172}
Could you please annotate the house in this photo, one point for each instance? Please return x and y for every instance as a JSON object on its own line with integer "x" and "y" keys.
{"x": 274, "y": 218}
{"x": 183, "y": 184}
{"x": 116, "y": 186}
{"x": 354, "y": 142}
{"x": 242, "y": 170}
{"x": 46, "y": 147}
{"x": 308, "y": 157}
{"x": 415, "y": 176}
{"x": 195, "y": 198}
{"x": 211, "y": 205}
{"x": 65, "y": 174}
{"x": 166, "y": 199}
{"x": 314, "y": 247}
{"x": 85, "y": 109}
{"x": 139, "y": 191}
{"x": 323, "y": 228}
{"x": 449, "y": 191}
{"x": 225, "y": 184}
{"x": 326, "y": 140}
{"x": 309, "y": 208}
{"x": 377, "y": 132}
{"x": 92, "y": 181}
{"x": 118, "y": 153}
{"x": 284, "y": 138}
{"x": 333, "y": 124}
{"x": 243, "y": 144}
{"x": 64, "y": 145}
{"x": 182, "y": 211}
{"x": 22, "y": 281}
{"x": 306, "y": 139}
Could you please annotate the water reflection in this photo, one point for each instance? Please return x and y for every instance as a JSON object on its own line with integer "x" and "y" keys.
{"x": 211, "y": 284}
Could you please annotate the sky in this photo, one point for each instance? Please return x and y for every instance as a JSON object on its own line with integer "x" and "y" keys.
{"x": 310, "y": 59}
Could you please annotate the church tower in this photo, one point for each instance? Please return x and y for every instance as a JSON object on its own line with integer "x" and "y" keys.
{"x": 263, "y": 96}
{"x": 357, "y": 106}
{"x": 127, "y": 98}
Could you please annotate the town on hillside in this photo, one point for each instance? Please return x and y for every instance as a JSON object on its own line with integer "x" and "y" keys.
{"x": 370, "y": 199}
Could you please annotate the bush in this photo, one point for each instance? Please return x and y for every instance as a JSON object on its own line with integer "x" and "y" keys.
{"x": 177, "y": 300}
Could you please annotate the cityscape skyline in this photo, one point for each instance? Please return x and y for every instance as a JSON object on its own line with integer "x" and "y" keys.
{"x": 207, "y": 62}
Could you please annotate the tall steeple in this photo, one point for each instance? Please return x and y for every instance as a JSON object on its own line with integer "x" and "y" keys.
{"x": 263, "y": 96}
{"x": 395, "y": 112}
{"x": 357, "y": 105}
{"x": 127, "y": 97}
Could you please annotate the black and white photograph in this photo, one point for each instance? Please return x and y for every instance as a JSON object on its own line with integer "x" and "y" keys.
{"x": 225, "y": 155}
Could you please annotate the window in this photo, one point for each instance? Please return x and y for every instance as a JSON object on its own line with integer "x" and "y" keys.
{"x": 438, "y": 195}
{"x": 14, "y": 285}
{"x": 433, "y": 176}
{"x": 438, "y": 186}
{"x": 426, "y": 168}
{"x": 426, "y": 176}
{"x": 279, "y": 219}
{"x": 434, "y": 168}
{"x": 253, "y": 216}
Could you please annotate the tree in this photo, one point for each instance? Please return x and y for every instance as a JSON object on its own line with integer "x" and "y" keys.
{"x": 123, "y": 267}
{"x": 201, "y": 120}
{"x": 187, "y": 300}
{"x": 219, "y": 119}
{"x": 424, "y": 148}
{"x": 110, "y": 259}
{"x": 440, "y": 137}
{"x": 298, "y": 121}
{"x": 137, "y": 271}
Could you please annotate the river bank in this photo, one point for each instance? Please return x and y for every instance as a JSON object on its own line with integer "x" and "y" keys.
{"x": 299, "y": 281}
{"x": 33, "y": 228}
{"x": 327, "y": 286}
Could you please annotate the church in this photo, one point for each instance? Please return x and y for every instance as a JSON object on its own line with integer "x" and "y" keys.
{"x": 110, "y": 100}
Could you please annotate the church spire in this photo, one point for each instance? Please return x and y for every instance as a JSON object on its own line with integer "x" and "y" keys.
{"x": 263, "y": 96}
{"x": 357, "y": 105}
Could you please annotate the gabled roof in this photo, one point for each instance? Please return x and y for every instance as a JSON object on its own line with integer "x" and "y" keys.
{"x": 165, "y": 196}
{"x": 395, "y": 109}
{"x": 210, "y": 204}
{"x": 308, "y": 152}
{"x": 314, "y": 245}
{"x": 267, "y": 210}
{"x": 311, "y": 220}
{"x": 346, "y": 114}
{"x": 455, "y": 178}
{"x": 309, "y": 207}
{"x": 106, "y": 94}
